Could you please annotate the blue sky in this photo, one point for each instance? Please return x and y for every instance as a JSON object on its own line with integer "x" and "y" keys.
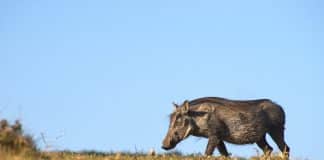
{"x": 103, "y": 74}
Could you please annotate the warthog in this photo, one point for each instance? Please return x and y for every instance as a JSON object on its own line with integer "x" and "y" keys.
{"x": 219, "y": 120}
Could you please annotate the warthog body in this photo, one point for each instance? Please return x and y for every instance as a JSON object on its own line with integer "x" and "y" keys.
{"x": 219, "y": 120}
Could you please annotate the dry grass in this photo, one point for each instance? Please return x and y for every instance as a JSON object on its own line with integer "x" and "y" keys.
{"x": 15, "y": 145}
{"x": 119, "y": 156}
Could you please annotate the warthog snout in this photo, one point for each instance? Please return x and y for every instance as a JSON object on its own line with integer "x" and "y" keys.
{"x": 168, "y": 143}
{"x": 165, "y": 148}
{"x": 168, "y": 146}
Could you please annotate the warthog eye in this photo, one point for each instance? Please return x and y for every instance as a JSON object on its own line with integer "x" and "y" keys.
{"x": 177, "y": 121}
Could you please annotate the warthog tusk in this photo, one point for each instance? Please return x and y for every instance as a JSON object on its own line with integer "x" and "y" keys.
{"x": 187, "y": 132}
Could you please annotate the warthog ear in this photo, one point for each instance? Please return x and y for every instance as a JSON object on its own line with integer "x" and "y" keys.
{"x": 175, "y": 106}
{"x": 186, "y": 106}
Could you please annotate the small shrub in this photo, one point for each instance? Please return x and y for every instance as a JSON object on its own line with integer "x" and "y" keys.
{"x": 12, "y": 138}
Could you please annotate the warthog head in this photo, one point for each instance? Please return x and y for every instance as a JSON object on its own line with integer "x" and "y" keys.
{"x": 181, "y": 125}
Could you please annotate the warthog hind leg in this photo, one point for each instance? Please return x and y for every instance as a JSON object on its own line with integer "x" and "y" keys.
{"x": 278, "y": 136}
{"x": 263, "y": 144}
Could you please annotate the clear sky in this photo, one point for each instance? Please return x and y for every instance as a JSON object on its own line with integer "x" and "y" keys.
{"x": 102, "y": 74}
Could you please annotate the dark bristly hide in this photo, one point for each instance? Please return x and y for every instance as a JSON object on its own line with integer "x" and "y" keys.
{"x": 233, "y": 121}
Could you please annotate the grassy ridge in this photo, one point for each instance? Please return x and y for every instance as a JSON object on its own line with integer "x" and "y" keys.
{"x": 4, "y": 155}
{"x": 15, "y": 145}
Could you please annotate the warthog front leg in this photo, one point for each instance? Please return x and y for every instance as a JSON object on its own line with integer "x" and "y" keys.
{"x": 222, "y": 149}
{"x": 213, "y": 142}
